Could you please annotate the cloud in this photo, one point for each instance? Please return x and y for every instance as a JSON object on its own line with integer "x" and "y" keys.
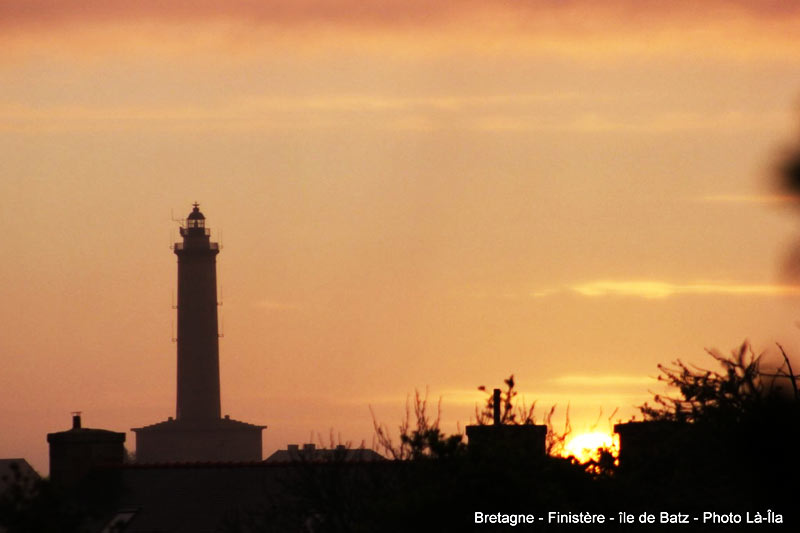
{"x": 274, "y": 305}
{"x": 612, "y": 26}
{"x": 544, "y": 398}
{"x": 317, "y": 110}
{"x": 658, "y": 123}
{"x": 749, "y": 199}
{"x": 489, "y": 112}
{"x": 388, "y": 12}
{"x": 648, "y": 289}
{"x": 661, "y": 289}
{"x": 542, "y": 293}
{"x": 277, "y": 11}
{"x": 608, "y": 380}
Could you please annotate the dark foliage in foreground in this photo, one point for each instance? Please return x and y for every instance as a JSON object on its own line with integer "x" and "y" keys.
{"x": 728, "y": 438}
{"x": 35, "y": 505}
{"x": 732, "y": 394}
{"x": 723, "y": 443}
{"x": 39, "y": 506}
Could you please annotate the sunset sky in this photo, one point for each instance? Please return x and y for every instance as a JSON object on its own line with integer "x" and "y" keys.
{"x": 408, "y": 193}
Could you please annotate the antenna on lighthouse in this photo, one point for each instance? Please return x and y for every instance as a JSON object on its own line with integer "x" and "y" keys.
{"x": 181, "y": 222}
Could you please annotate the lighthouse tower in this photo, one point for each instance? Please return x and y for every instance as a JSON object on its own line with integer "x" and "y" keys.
{"x": 198, "y": 432}
{"x": 198, "y": 341}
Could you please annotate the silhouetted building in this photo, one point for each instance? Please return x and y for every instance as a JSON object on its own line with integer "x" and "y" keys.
{"x": 73, "y": 453}
{"x": 499, "y": 439}
{"x": 198, "y": 433}
{"x": 518, "y": 438}
{"x": 214, "y": 497}
{"x": 649, "y": 441}
{"x": 310, "y": 453}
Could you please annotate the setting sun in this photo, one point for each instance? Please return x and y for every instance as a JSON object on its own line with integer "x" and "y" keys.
{"x": 586, "y": 445}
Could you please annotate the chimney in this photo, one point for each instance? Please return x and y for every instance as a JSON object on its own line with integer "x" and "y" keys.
{"x": 77, "y": 451}
{"x": 496, "y": 405}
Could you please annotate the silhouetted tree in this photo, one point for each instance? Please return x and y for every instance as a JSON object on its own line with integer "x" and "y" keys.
{"x": 35, "y": 506}
{"x": 738, "y": 389}
{"x": 439, "y": 483}
{"x": 421, "y": 438}
{"x": 723, "y": 457}
{"x": 724, "y": 440}
{"x": 511, "y": 411}
{"x": 514, "y": 412}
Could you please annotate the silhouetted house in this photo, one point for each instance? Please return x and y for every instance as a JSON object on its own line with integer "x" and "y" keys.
{"x": 650, "y": 441}
{"x": 198, "y": 433}
{"x": 77, "y": 451}
{"x": 499, "y": 438}
{"x": 310, "y": 453}
{"x": 197, "y": 498}
{"x": 243, "y": 497}
{"x": 526, "y": 438}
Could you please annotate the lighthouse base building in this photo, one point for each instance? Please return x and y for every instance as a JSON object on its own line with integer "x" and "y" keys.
{"x": 223, "y": 440}
{"x": 198, "y": 433}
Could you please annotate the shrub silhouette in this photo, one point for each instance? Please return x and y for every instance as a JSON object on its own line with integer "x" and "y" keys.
{"x": 421, "y": 438}
{"x": 724, "y": 440}
{"x": 732, "y": 394}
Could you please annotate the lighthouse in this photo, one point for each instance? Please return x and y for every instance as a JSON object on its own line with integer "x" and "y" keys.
{"x": 198, "y": 339}
{"x": 198, "y": 432}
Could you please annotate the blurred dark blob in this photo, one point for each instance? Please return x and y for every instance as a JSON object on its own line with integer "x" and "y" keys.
{"x": 787, "y": 177}
{"x": 788, "y": 170}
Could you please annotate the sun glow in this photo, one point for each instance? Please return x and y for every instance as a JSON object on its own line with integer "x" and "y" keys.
{"x": 587, "y": 446}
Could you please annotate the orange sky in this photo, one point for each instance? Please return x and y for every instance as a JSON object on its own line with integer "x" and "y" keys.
{"x": 410, "y": 194}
